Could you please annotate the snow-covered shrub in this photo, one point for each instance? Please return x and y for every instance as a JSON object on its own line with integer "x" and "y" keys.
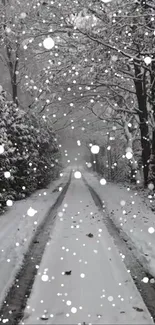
{"x": 28, "y": 152}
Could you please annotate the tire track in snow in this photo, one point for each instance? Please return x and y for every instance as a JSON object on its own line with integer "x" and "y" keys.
{"x": 122, "y": 242}
{"x": 12, "y": 309}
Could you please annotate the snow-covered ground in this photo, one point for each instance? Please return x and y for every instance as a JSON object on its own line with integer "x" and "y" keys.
{"x": 17, "y": 228}
{"x": 98, "y": 289}
{"x": 130, "y": 213}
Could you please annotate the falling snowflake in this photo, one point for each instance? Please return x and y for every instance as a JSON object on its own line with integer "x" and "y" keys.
{"x": 77, "y": 175}
{"x": 1, "y": 149}
{"x": 31, "y": 212}
{"x": 95, "y": 149}
{"x": 23, "y": 15}
{"x": 145, "y": 280}
{"x": 9, "y": 203}
{"x": 147, "y": 60}
{"x": 106, "y": 1}
{"x": 122, "y": 203}
{"x": 45, "y": 278}
{"x": 48, "y": 43}
{"x": 129, "y": 155}
{"x": 151, "y": 230}
{"x": 74, "y": 310}
{"x": 114, "y": 58}
{"x": 68, "y": 303}
{"x": 82, "y": 275}
{"x": 103, "y": 181}
{"x": 110, "y": 298}
{"x": 7, "y": 174}
{"x": 150, "y": 186}
{"x": 79, "y": 143}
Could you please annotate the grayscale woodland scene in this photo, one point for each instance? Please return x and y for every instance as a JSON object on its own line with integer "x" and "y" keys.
{"x": 77, "y": 162}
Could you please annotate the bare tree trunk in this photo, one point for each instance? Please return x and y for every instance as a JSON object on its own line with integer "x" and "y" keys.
{"x": 12, "y": 59}
{"x": 135, "y": 173}
{"x": 143, "y": 117}
{"x": 14, "y": 88}
{"x": 12, "y": 70}
{"x": 152, "y": 102}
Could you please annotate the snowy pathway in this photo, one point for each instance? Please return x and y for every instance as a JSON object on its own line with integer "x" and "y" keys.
{"x": 17, "y": 229}
{"x": 99, "y": 289}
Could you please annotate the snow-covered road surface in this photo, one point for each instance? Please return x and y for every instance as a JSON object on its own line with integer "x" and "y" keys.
{"x": 17, "y": 227}
{"x": 99, "y": 289}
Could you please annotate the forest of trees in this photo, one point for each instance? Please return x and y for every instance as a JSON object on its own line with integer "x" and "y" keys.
{"x": 77, "y": 60}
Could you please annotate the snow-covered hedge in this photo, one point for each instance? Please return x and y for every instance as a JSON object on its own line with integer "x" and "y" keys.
{"x": 29, "y": 156}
